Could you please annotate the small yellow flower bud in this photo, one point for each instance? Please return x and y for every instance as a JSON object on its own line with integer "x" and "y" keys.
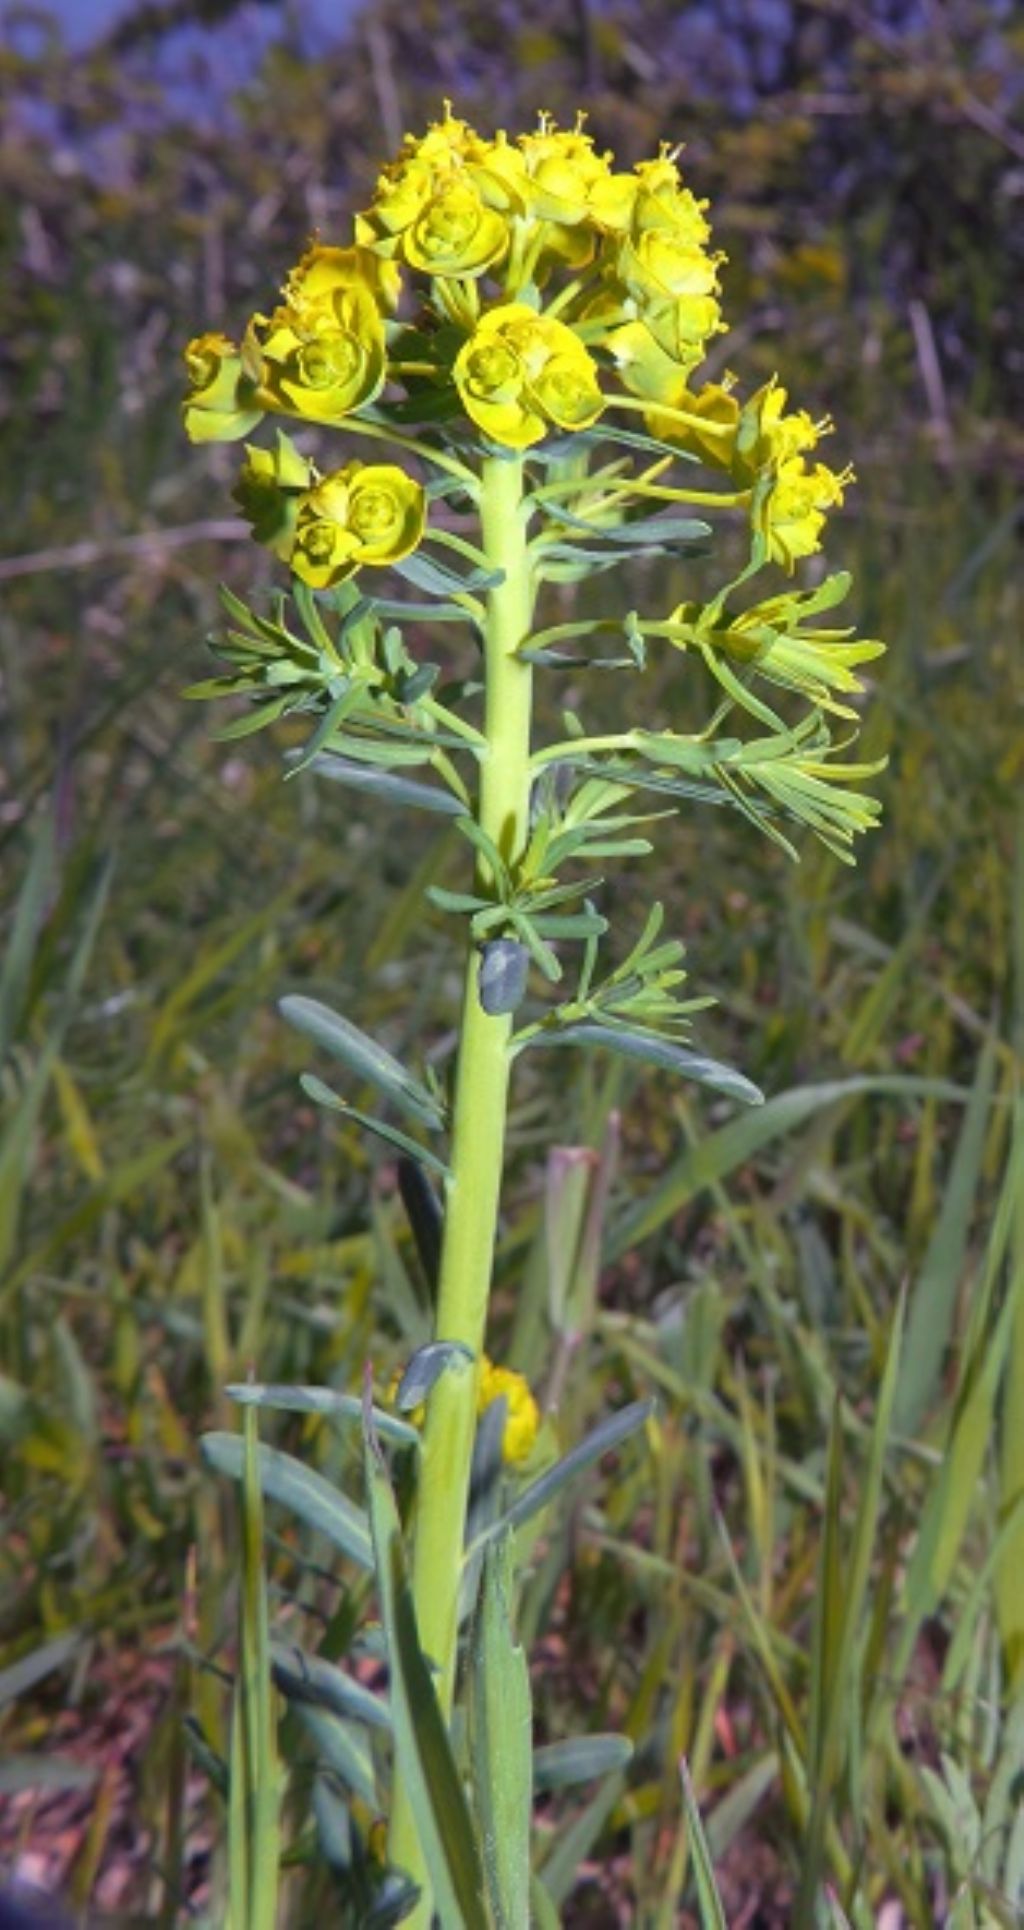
{"x": 766, "y": 435}
{"x": 270, "y": 487}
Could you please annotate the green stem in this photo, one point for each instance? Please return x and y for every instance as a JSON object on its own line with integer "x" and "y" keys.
{"x": 478, "y": 1133}
{"x": 381, "y": 432}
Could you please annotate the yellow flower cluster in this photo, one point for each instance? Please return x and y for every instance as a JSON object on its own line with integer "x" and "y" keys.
{"x": 328, "y": 527}
{"x": 520, "y": 374}
{"x": 547, "y": 285}
{"x": 763, "y": 450}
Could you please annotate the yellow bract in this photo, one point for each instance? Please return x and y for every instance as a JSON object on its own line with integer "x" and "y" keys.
{"x": 366, "y": 513}
{"x": 221, "y": 404}
{"x": 323, "y": 357}
{"x": 522, "y": 1416}
{"x": 765, "y": 434}
{"x": 520, "y": 373}
{"x": 269, "y": 491}
{"x": 791, "y": 514}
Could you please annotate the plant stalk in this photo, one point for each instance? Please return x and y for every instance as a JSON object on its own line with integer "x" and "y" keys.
{"x": 478, "y": 1133}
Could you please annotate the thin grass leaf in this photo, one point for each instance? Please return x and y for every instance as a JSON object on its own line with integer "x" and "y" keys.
{"x": 709, "y": 1902}
{"x": 254, "y": 1843}
{"x": 20, "y": 1676}
{"x": 950, "y": 1499}
{"x": 29, "y": 913}
{"x": 575, "y": 1842}
{"x": 840, "y": 1598}
{"x": 713, "y": 1158}
{"x": 934, "y": 1299}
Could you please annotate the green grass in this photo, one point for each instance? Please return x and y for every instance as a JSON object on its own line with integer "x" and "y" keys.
{"x": 802, "y": 1578}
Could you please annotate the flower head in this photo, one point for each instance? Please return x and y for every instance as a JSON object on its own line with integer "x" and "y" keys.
{"x": 366, "y": 513}
{"x": 663, "y": 204}
{"x": 222, "y": 403}
{"x": 455, "y": 233}
{"x": 563, "y": 170}
{"x": 324, "y": 358}
{"x": 520, "y": 373}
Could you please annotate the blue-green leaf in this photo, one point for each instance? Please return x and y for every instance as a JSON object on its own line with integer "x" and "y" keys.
{"x": 362, "y": 1055}
{"x": 322, "y": 1095}
{"x": 320, "y": 1400}
{"x": 425, "y": 1368}
{"x": 559, "y": 1765}
{"x": 500, "y": 1727}
{"x": 656, "y": 1051}
{"x": 424, "y": 1762}
{"x": 610, "y": 1434}
{"x": 314, "y": 1501}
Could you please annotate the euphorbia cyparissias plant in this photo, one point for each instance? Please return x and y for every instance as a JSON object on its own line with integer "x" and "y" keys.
{"x": 498, "y": 379}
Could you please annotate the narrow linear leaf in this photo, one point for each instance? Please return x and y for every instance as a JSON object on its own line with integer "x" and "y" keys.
{"x": 423, "y": 1758}
{"x": 655, "y": 1051}
{"x": 22, "y": 1675}
{"x": 323, "y": 1095}
{"x": 712, "y": 1159}
{"x": 709, "y": 1902}
{"x": 501, "y": 1736}
{"x": 361, "y": 1054}
{"x": 610, "y": 1434}
{"x": 320, "y": 1400}
{"x": 308, "y": 1678}
{"x": 341, "y": 1748}
{"x": 934, "y": 1298}
{"x": 385, "y": 784}
{"x": 309, "y": 1497}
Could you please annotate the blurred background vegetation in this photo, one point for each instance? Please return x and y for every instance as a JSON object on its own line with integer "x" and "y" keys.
{"x": 171, "y": 1210}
